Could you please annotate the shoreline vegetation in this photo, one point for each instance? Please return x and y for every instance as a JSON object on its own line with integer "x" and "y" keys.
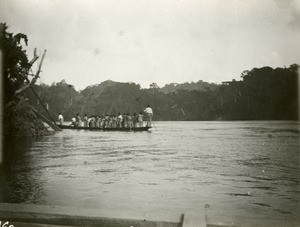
{"x": 19, "y": 117}
{"x": 262, "y": 94}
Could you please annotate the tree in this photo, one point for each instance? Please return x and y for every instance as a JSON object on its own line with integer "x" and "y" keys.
{"x": 19, "y": 117}
{"x": 15, "y": 62}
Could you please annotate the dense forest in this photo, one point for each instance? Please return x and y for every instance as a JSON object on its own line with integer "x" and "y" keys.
{"x": 261, "y": 94}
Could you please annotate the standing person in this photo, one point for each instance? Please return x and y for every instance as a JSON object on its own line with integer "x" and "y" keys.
{"x": 106, "y": 124}
{"x": 61, "y": 119}
{"x": 114, "y": 121}
{"x": 149, "y": 113}
{"x": 93, "y": 122}
{"x": 98, "y": 122}
{"x": 110, "y": 121}
{"x": 73, "y": 123}
{"x": 85, "y": 120}
{"x": 102, "y": 124}
{"x": 90, "y": 122}
{"x": 78, "y": 120}
{"x": 135, "y": 120}
{"x": 124, "y": 122}
{"x": 129, "y": 121}
{"x": 140, "y": 119}
{"x": 120, "y": 120}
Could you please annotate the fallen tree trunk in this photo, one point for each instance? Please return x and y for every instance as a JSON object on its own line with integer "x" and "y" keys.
{"x": 46, "y": 120}
{"x": 32, "y": 82}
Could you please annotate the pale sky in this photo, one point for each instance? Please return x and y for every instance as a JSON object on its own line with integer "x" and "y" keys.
{"x": 162, "y": 41}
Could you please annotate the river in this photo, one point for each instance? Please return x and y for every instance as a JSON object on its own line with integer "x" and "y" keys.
{"x": 243, "y": 167}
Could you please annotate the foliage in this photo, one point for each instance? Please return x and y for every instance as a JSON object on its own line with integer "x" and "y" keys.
{"x": 199, "y": 86}
{"x": 58, "y": 97}
{"x": 262, "y": 94}
{"x": 19, "y": 119}
{"x": 15, "y": 61}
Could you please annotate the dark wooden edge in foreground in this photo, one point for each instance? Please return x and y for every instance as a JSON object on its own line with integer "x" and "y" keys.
{"x": 105, "y": 129}
{"x": 26, "y": 215}
{"x": 40, "y": 215}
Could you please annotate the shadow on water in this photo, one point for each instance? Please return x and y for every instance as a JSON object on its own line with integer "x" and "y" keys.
{"x": 17, "y": 184}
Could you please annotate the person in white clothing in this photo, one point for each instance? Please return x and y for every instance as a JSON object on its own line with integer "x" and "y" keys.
{"x": 140, "y": 119}
{"x": 60, "y": 119}
{"x": 119, "y": 120}
{"x": 73, "y": 123}
{"x": 149, "y": 113}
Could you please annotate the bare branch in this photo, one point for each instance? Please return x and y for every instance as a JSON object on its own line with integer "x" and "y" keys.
{"x": 32, "y": 61}
{"x": 39, "y": 69}
{"x": 35, "y": 57}
{"x": 22, "y": 89}
{"x": 35, "y": 77}
{"x": 40, "y": 66}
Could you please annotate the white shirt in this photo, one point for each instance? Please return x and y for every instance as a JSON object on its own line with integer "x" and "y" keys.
{"x": 148, "y": 110}
{"x": 140, "y": 117}
{"x": 60, "y": 117}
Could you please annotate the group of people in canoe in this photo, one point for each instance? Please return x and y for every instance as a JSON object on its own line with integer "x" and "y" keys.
{"x": 112, "y": 121}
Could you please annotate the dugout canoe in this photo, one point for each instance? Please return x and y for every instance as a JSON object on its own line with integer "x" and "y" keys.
{"x": 105, "y": 129}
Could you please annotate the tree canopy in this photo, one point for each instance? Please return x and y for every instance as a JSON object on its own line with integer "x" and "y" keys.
{"x": 15, "y": 61}
{"x": 261, "y": 94}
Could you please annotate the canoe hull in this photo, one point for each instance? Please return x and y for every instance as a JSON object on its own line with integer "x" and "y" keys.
{"x": 104, "y": 129}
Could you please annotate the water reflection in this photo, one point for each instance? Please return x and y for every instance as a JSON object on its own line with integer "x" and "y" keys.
{"x": 18, "y": 186}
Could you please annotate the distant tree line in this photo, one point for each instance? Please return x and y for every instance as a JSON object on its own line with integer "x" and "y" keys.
{"x": 261, "y": 94}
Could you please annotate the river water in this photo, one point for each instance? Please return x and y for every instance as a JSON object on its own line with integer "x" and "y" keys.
{"x": 249, "y": 168}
